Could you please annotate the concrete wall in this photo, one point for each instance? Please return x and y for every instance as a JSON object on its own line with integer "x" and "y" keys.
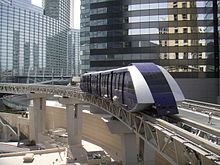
{"x": 94, "y": 130}
{"x": 10, "y": 119}
{"x": 23, "y": 124}
{"x": 202, "y": 89}
{"x": 7, "y": 133}
{"x": 55, "y": 117}
{"x": 14, "y": 119}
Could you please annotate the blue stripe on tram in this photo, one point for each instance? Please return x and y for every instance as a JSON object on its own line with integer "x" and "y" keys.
{"x": 162, "y": 94}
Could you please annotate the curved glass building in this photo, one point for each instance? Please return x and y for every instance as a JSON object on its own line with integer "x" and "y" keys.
{"x": 180, "y": 35}
{"x": 33, "y": 41}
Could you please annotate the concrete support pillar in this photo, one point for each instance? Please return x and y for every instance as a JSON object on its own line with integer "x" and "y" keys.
{"x": 37, "y": 116}
{"x": 129, "y": 149}
{"x": 74, "y": 129}
{"x": 74, "y": 124}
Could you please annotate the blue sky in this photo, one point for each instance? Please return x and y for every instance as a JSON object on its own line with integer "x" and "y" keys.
{"x": 76, "y": 11}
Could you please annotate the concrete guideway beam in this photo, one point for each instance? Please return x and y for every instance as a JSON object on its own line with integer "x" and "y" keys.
{"x": 129, "y": 142}
{"x": 134, "y": 149}
{"x": 74, "y": 129}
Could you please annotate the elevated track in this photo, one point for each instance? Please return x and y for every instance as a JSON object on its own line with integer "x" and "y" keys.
{"x": 167, "y": 136}
{"x": 202, "y": 107}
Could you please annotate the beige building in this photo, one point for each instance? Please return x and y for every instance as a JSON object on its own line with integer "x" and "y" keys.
{"x": 180, "y": 33}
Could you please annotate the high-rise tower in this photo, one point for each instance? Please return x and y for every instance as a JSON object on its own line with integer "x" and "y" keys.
{"x": 181, "y": 36}
{"x": 57, "y": 51}
{"x": 33, "y": 41}
{"x": 73, "y": 63}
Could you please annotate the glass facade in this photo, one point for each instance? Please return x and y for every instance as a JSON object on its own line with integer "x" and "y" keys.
{"x": 85, "y": 35}
{"x": 32, "y": 44}
{"x": 218, "y": 15}
{"x": 178, "y": 35}
{"x": 73, "y": 62}
{"x": 56, "y": 59}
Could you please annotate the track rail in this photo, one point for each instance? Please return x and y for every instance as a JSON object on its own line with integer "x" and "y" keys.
{"x": 202, "y": 107}
{"x": 175, "y": 144}
{"x": 201, "y": 130}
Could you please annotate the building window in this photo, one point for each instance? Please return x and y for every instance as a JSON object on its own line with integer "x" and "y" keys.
{"x": 185, "y": 30}
{"x": 176, "y": 42}
{"x": 177, "y": 55}
{"x": 165, "y": 56}
{"x": 175, "y": 17}
{"x": 185, "y": 42}
{"x": 174, "y": 4}
{"x": 175, "y": 30}
{"x": 201, "y": 69}
{"x": 184, "y": 16}
{"x": 194, "y": 56}
{"x": 163, "y": 30}
{"x": 184, "y": 5}
{"x": 127, "y": 44}
{"x": 110, "y": 56}
{"x": 185, "y": 55}
{"x": 165, "y": 43}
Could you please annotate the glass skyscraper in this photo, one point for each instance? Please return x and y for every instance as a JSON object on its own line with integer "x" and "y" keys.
{"x": 85, "y": 36}
{"x": 73, "y": 62}
{"x": 33, "y": 41}
{"x": 180, "y": 35}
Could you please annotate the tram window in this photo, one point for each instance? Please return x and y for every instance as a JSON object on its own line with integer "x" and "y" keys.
{"x": 92, "y": 81}
{"x": 102, "y": 85}
{"x": 116, "y": 81}
{"x": 97, "y": 81}
{"x": 122, "y": 79}
{"x": 119, "y": 81}
{"x": 157, "y": 82}
{"x": 107, "y": 79}
{"x": 110, "y": 78}
{"x": 104, "y": 81}
{"x": 128, "y": 84}
{"x": 88, "y": 82}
